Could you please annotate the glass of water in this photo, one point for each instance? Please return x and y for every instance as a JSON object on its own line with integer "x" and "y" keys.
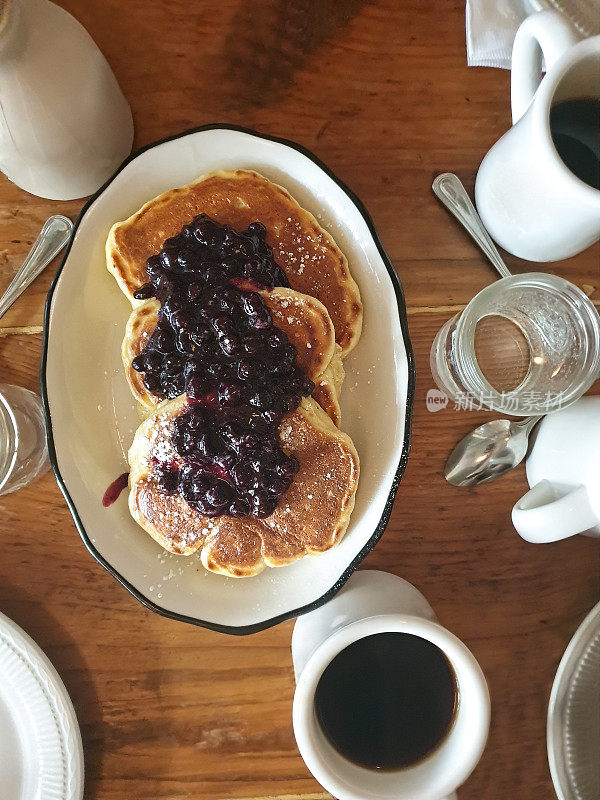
{"x": 525, "y": 345}
{"x": 23, "y": 449}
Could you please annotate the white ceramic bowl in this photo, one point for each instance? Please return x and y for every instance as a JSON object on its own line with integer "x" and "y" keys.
{"x": 91, "y": 415}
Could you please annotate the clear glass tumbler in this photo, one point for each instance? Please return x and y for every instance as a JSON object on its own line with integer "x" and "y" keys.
{"x": 525, "y": 345}
{"x": 23, "y": 449}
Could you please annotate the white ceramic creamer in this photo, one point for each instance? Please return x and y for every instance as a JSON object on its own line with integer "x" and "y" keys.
{"x": 528, "y": 199}
{"x": 563, "y": 470}
{"x": 65, "y": 125}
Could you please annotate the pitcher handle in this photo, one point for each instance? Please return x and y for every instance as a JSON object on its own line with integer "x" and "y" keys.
{"x": 546, "y": 32}
{"x": 540, "y": 517}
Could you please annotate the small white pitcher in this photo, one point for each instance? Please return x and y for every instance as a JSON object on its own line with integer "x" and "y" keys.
{"x": 64, "y": 123}
{"x": 564, "y": 471}
{"x": 528, "y": 199}
{"x": 377, "y": 602}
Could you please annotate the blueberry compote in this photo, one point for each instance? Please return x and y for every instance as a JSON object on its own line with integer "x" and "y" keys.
{"x": 216, "y": 341}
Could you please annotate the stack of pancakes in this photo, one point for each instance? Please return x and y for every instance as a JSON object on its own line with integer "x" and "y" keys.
{"x": 321, "y": 314}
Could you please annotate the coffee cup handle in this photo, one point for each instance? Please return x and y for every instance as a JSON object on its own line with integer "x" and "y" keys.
{"x": 547, "y": 33}
{"x": 539, "y": 516}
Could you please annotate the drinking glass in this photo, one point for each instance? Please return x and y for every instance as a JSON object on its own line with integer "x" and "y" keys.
{"x": 538, "y": 335}
{"x": 23, "y": 449}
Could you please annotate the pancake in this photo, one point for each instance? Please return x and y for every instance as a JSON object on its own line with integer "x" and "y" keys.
{"x": 328, "y": 386}
{"x": 308, "y": 255}
{"x": 303, "y": 319}
{"x": 311, "y": 517}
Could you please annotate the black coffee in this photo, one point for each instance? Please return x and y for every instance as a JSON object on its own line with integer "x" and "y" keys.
{"x": 387, "y": 700}
{"x": 575, "y": 129}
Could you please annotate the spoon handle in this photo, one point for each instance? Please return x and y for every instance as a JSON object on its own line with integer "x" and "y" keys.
{"x": 53, "y": 237}
{"x": 528, "y": 423}
{"x": 449, "y": 189}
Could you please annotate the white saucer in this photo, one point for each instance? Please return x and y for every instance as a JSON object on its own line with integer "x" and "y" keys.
{"x": 574, "y": 715}
{"x": 41, "y": 756}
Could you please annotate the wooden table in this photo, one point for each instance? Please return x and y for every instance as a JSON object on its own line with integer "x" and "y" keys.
{"x": 381, "y": 93}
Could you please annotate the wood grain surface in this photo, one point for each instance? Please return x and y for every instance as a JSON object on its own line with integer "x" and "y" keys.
{"x": 381, "y": 93}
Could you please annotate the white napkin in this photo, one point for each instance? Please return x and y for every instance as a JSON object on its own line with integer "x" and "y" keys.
{"x": 492, "y": 24}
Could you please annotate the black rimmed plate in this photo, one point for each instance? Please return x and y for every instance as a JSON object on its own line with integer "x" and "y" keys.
{"x": 91, "y": 416}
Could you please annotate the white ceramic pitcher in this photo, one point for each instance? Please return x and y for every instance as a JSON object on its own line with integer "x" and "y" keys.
{"x": 563, "y": 470}
{"x": 64, "y": 123}
{"x": 528, "y": 199}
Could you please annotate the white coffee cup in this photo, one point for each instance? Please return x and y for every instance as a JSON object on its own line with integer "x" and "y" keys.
{"x": 528, "y": 199}
{"x": 563, "y": 470}
{"x": 377, "y": 602}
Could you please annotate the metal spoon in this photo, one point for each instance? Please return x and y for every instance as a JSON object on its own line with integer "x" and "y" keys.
{"x": 53, "y": 237}
{"x": 489, "y": 451}
{"x": 496, "y": 447}
{"x": 449, "y": 189}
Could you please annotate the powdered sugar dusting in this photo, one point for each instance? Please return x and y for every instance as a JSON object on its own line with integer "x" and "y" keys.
{"x": 309, "y": 248}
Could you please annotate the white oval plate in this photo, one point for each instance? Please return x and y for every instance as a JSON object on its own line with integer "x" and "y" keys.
{"x": 91, "y": 416}
{"x": 41, "y": 757}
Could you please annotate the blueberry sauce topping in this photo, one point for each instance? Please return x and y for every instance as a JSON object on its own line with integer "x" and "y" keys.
{"x": 216, "y": 341}
{"x": 111, "y": 495}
